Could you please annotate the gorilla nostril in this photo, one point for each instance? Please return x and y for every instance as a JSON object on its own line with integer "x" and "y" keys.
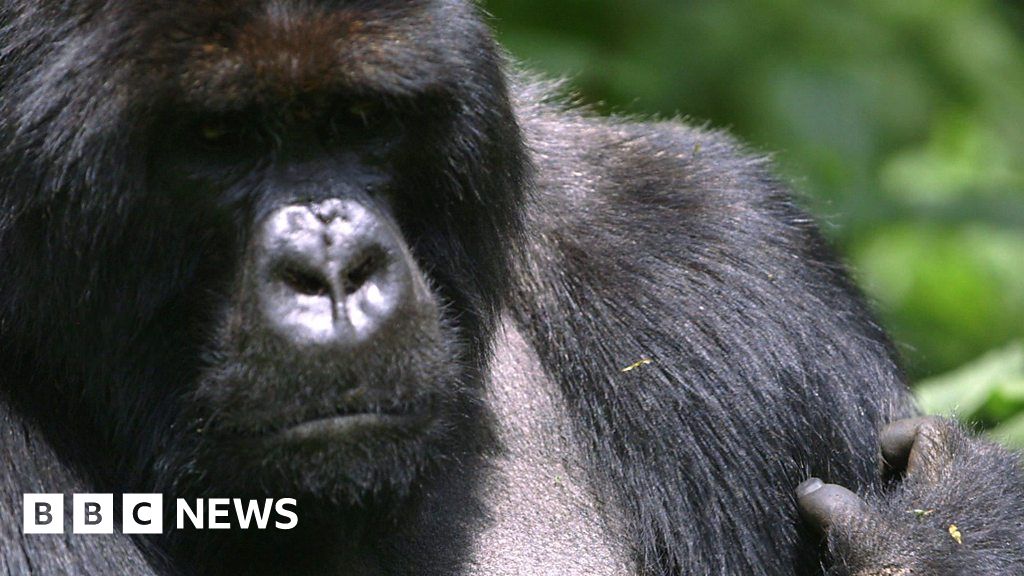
{"x": 304, "y": 282}
{"x": 363, "y": 270}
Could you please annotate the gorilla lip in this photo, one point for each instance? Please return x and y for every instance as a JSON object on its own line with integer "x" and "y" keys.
{"x": 341, "y": 423}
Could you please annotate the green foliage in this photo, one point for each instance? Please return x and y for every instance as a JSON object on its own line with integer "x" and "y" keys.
{"x": 988, "y": 392}
{"x": 902, "y": 122}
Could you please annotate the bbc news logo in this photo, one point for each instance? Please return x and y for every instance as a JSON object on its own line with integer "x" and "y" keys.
{"x": 143, "y": 514}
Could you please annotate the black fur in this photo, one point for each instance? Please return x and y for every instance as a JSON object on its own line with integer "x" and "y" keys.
{"x": 683, "y": 249}
{"x": 126, "y": 329}
{"x": 30, "y": 466}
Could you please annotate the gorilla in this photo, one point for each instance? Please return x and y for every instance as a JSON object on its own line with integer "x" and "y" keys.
{"x": 341, "y": 251}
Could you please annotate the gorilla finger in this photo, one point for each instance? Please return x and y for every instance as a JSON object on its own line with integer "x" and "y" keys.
{"x": 933, "y": 448}
{"x": 916, "y": 445}
{"x": 825, "y": 505}
{"x": 897, "y": 440}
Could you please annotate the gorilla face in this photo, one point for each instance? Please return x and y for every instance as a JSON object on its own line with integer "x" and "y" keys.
{"x": 334, "y": 371}
{"x": 285, "y": 231}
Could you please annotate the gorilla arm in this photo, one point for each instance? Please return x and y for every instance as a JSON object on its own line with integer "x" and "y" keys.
{"x": 957, "y": 510}
{"x": 30, "y": 465}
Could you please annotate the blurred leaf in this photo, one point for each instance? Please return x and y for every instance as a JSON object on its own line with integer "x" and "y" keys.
{"x": 964, "y": 156}
{"x": 951, "y": 292}
{"x": 1010, "y": 432}
{"x": 996, "y": 377}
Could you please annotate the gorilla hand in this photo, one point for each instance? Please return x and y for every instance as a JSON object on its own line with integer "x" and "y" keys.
{"x": 953, "y": 511}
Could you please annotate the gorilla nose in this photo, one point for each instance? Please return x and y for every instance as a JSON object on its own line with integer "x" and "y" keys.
{"x": 331, "y": 273}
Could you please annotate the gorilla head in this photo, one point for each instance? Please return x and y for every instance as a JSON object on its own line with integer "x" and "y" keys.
{"x": 267, "y": 236}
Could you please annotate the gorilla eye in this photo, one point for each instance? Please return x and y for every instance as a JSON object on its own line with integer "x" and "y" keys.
{"x": 364, "y": 112}
{"x": 214, "y": 131}
{"x": 357, "y": 121}
{"x": 220, "y": 132}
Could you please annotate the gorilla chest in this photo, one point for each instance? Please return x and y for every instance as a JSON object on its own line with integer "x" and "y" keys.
{"x": 542, "y": 517}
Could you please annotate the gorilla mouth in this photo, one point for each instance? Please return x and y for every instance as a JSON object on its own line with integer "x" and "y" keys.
{"x": 344, "y": 420}
{"x": 339, "y": 424}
